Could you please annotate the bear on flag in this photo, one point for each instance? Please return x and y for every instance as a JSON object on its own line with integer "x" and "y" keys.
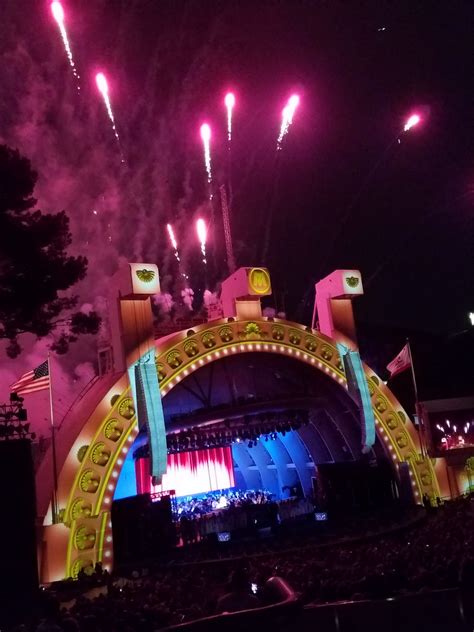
{"x": 401, "y": 362}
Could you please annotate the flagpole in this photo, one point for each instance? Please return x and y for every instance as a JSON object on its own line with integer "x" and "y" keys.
{"x": 417, "y": 403}
{"x": 53, "y": 444}
{"x": 415, "y": 387}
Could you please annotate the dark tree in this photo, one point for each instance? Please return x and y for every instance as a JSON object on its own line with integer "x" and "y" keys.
{"x": 35, "y": 268}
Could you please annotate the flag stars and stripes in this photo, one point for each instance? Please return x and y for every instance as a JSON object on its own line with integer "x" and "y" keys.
{"x": 33, "y": 381}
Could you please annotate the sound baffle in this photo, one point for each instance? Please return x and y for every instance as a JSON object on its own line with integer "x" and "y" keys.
{"x": 352, "y": 487}
{"x": 18, "y": 557}
{"x": 142, "y": 529}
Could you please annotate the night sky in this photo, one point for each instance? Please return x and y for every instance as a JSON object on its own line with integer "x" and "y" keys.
{"x": 360, "y": 67}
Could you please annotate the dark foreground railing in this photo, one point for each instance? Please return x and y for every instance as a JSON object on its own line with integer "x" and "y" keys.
{"x": 277, "y": 615}
{"x": 434, "y": 611}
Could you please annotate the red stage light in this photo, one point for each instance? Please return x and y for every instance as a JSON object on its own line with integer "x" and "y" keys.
{"x": 190, "y": 473}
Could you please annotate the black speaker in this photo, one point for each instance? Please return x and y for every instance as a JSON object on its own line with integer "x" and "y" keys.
{"x": 356, "y": 486}
{"x": 18, "y": 556}
{"x": 142, "y": 529}
{"x": 406, "y": 488}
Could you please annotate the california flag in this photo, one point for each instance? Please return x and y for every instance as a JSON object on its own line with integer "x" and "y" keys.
{"x": 401, "y": 362}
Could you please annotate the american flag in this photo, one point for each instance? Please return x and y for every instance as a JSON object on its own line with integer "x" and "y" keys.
{"x": 36, "y": 380}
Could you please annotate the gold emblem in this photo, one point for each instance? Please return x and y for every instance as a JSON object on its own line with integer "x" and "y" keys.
{"x": 470, "y": 464}
{"x": 352, "y": 281}
{"x": 259, "y": 281}
{"x": 146, "y": 276}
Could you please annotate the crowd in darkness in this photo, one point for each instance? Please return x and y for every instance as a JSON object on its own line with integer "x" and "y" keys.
{"x": 434, "y": 552}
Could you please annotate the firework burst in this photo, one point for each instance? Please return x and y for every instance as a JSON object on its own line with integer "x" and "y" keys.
{"x": 455, "y": 436}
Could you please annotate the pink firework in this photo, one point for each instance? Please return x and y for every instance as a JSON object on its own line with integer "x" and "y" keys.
{"x": 206, "y": 141}
{"x": 229, "y": 103}
{"x": 103, "y": 87}
{"x": 174, "y": 244}
{"x": 202, "y": 236}
{"x": 173, "y": 241}
{"x": 102, "y": 83}
{"x": 287, "y": 117}
{"x": 412, "y": 121}
{"x": 453, "y": 437}
{"x": 58, "y": 14}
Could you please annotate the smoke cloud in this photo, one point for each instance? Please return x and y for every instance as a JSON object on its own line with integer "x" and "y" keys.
{"x": 269, "y": 312}
{"x": 188, "y": 297}
{"x": 118, "y": 213}
{"x": 165, "y": 302}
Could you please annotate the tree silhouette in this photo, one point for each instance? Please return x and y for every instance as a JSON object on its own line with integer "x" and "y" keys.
{"x": 35, "y": 267}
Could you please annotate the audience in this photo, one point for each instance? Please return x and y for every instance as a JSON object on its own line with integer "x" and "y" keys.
{"x": 433, "y": 552}
{"x": 239, "y": 597}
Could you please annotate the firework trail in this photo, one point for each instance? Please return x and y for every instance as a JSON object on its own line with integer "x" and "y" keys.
{"x": 287, "y": 117}
{"x": 206, "y": 140}
{"x": 201, "y": 226}
{"x": 103, "y": 87}
{"x": 174, "y": 244}
{"x": 412, "y": 121}
{"x": 58, "y": 14}
{"x": 173, "y": 241}
{"x": 202, "y": 236}
{"x": 229, "y": 103}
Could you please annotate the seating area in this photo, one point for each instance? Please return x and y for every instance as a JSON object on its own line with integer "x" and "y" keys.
{"x": 414, "y": 555}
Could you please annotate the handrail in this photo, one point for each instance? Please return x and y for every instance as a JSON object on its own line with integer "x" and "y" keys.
{"x": 439, "y": 609}
{"x": 78, "y": 398}
{"x": 228, "y": 620}
{"x": 396, "y": 598}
